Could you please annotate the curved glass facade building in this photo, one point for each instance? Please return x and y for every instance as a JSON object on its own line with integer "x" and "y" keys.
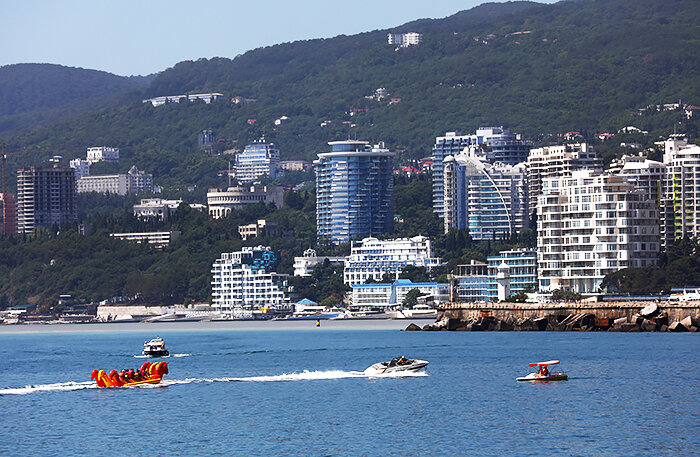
{"x": 354, "y": 191}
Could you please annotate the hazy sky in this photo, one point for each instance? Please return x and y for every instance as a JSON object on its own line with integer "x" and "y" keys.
{"x": 145, "y": 36}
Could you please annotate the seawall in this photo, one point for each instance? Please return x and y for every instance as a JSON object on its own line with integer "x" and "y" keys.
{"x": 580, "y": 316}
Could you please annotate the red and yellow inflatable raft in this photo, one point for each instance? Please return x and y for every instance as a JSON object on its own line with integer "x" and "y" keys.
{"x": 149, "y": 373}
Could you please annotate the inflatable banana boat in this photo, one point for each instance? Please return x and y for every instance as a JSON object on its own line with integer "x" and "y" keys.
{"x": 149, "y": 373}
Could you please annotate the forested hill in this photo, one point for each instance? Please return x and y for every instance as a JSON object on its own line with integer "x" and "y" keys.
{"x": 537, "y": 69}
{"x": 31, "y": 92}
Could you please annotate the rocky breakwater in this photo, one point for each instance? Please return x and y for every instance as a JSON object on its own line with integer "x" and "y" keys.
{"x": 651, "y": 318}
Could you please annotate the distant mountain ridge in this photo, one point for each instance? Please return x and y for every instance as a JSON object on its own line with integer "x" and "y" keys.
{"x": 539, "y": 69}
{"x": 33, "y": 88}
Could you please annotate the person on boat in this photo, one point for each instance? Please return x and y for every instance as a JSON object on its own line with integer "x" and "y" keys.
{"x": 402, "y": 361}
{"x": 543, "y": 371}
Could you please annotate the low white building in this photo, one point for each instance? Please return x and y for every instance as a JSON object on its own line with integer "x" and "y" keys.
{"x": 261, "y": 227}
{"x": 221, "y": 202}
{"x": 373, "y": 258}
{"x": 304, "y": 266}
{"x": 102, "y": 154}
{"x": 134, "y": 181}
{"x": 156, "y": 208}
{"x": 390, "y": 295}
{"x": 158, "y": 239}
{"x": 206, "y": 98}
{"x": 81, "y": 167}
{"x": 246, "y": 280}
{"x": 404, "y": 40}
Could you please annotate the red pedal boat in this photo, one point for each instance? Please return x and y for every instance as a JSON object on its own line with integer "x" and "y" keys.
{"x": 149, "y": 373}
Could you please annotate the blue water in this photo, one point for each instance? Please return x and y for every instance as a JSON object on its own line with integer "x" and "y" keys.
{"x": 302, "y": 392}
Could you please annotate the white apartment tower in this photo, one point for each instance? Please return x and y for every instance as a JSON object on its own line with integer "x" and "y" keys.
{"x": 681, "y": 191}
{"x": 372, "y": 258}
{"x": 556, "y": 161}
{"x": 590, "y": 225}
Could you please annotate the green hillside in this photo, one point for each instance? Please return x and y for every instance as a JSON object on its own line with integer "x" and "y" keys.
{"x": 33, "y": 93}
{"x": 537, "y": 69}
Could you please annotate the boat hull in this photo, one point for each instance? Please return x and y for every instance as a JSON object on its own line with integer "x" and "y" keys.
{"x": 165, "y": 353}
{"x": 383, "y": 368}
{"x": 551, "y": 377}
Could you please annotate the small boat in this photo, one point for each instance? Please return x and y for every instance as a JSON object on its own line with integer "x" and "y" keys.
{"x": 543, "y": 374}
{"x": 417, "y": 312}
{"x": 155, "y": 348}
{"x": 149, "y": 373}
{"x": 319, "y": 312}
{"x": 395, "y": 365}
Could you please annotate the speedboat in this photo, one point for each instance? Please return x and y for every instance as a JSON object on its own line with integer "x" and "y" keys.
{"x": 149, "y": 373}
{"x": 155, "y": 348}
{"x": 543, "y": 374}
{"x": 396, "y": 364}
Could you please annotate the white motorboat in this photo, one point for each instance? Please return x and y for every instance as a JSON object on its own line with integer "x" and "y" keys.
{"x": 155, "y": 348}
{"x": 396, "y": 365}
{"x": 417, "y": 312}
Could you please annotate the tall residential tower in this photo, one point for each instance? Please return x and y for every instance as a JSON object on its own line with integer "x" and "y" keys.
{"x": 354, "y": 191}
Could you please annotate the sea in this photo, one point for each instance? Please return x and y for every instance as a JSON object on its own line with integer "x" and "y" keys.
{"x": 294, "y": 389}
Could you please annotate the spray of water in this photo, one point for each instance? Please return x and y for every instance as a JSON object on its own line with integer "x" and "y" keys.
{"x": 284, "y": 377}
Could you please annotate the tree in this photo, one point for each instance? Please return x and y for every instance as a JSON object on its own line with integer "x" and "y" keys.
{"x": 411, "y": 298}
{"x": 566, "y": 295}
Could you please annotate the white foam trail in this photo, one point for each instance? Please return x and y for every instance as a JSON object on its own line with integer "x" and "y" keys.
{"x": 58, "y": 387}
{"x": 181, "y": 355}
{"x": 284, "y": 377}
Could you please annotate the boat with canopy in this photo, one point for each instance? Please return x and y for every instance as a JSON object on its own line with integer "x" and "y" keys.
{"x": 543, "y": 373}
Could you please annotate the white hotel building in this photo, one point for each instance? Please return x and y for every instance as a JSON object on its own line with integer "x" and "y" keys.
{"x": 257, "y": 159}
{"x": 244, "y": 280}
{"x": 372, "y": 258}
{"x": 590, "y": 225}
{"x": 102, "y": 154}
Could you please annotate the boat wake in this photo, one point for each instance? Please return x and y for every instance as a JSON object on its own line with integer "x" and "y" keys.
{"x": 284, "y": 377}
{"x": 58, "y": 387}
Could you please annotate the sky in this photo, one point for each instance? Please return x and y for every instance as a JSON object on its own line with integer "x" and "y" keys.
{"x": 139, "y": 37}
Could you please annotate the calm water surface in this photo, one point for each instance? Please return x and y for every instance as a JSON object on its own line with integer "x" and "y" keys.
{"x": 274, "y": 389}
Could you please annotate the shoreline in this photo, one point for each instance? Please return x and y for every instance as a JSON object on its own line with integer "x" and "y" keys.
{"x": 208, "y": 326}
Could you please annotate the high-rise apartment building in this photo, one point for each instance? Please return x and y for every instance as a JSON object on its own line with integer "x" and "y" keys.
{"x": 557, "y": 161}
{"x": 681, "y": 191}
{"x": 644, "y": 174}
{"x": 354, "y": 191}
{"x": 45, "y": 196}
{"x": 495, "y": 144}
{"x": 246, "y": 280}
{"x": 8, "y": 214}
{"x": 590, "y": 225}
{"x": 373, "y": 258}
{"x": 257, "y": 159}
{"x": 490, "y": 200}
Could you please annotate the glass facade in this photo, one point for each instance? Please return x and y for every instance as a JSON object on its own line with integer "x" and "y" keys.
{"x": 495, "y": 144}
{"x": 523, "y": 270}
{"x": 354, "y": 192}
